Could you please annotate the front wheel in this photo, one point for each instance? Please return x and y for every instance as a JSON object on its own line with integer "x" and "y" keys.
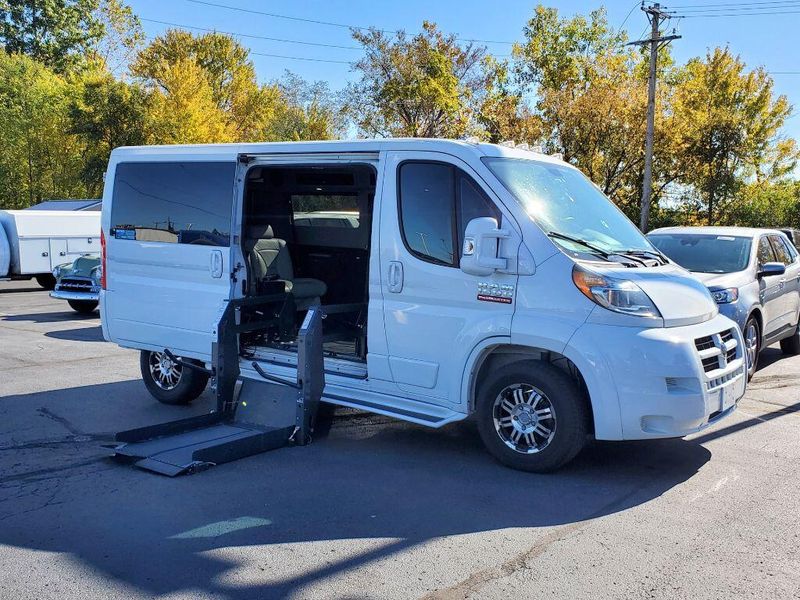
{"x": 84, "y": 307}
{"x": 532, "y": 416}
{"x": 170, "y": 382}
{"x": 752, "y": 345}
{"x": 46, "y": 280}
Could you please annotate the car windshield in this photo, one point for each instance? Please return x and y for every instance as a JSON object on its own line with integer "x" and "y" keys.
{"x": 705, "y": 253}
{"x": 563, "y": 201}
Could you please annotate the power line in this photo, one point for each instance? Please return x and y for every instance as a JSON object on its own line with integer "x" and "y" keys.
{"x": 327, "y": 23}
{"x": 248, "y": 35}
{"x": 728, "y": 4}
{"x": 750, "y": 14}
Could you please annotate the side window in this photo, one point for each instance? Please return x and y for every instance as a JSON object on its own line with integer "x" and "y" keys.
{"x": 781, "y": 250}
{"x": 473, "y": 204}
{"x": 437, "y": 201}
{"x": 427, "y": 200}
{"x": 765, "y": 253}
{"x": 176, "y": 202}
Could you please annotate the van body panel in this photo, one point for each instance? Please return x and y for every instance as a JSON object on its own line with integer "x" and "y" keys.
{"x": 435, "y": 318}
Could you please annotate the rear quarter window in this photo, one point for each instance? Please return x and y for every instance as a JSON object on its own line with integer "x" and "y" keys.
{"x": 174, "y": 202}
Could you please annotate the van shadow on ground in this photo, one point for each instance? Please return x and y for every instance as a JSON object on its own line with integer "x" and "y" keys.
{"x": 370, "y": 479}
{"x": 80, "y": 334}
{"x": 53, "y": 317}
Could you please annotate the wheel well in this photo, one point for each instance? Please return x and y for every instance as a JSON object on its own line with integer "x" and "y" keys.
{"x": 500, "y": 356}
{"x": 759, "y": 318}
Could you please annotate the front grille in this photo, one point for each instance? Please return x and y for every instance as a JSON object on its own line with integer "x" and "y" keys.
{"x": 73, "y": 284}
{"x": 718, "y": 350}
{"x": 704, "y": 343}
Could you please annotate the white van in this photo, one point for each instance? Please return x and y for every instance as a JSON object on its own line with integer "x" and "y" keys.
{"x": 34, "y": 242}
{"x": 483, "y": 280}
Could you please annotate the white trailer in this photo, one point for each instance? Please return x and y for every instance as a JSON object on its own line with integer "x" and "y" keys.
{"x": 34, "y": 242}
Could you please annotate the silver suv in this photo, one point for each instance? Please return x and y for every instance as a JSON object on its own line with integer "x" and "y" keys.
{"x": 753, "y": 275}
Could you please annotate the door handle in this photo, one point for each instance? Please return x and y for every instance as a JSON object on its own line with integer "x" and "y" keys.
{"x": 395, "y": 278}
{"x": 215, "y": 264}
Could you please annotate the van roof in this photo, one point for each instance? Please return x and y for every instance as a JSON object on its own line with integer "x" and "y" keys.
{"x": 231, "y": 151}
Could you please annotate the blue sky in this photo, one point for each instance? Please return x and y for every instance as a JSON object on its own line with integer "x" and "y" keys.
{"x": 767, "y": 40}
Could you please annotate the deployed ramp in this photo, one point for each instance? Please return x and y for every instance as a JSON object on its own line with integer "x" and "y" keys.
{"x": 251, "y": 416}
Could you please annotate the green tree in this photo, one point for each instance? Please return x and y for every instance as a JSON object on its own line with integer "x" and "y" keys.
{"x": 223, "y": 63}
{"x": 303, "y": 111}
{"x": 56, "y": 33}
{"x": 425, "y": 86}
{"x": 107, "y": 113}
{"x": 727, "y": 122}
{"x": 39, "y": 158}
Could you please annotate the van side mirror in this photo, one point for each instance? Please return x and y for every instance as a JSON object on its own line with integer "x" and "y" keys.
{"x": 771, "y": 268}
{"x": 479, "y": 253}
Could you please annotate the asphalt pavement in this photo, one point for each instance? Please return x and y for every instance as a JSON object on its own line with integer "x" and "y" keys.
{"x": 378, "y": 508}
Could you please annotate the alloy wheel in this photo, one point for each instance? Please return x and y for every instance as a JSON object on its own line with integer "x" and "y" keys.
{"x": 524, "y": 418}
{"x": 166, "y": 373}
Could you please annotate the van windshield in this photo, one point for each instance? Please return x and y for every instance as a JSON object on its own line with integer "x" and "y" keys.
{"x": 567, "y": 205}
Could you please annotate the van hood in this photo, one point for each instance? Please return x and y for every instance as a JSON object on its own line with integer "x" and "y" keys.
{"x": 681, "y": 298}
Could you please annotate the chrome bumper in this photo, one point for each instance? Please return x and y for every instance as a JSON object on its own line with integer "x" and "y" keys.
{"x": 87, "y": 296}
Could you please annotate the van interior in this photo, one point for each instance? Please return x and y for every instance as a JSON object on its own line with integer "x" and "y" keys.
{"x": 306, "y": 230}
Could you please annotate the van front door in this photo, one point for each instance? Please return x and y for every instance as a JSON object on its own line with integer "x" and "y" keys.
{"x": 432, "y": 312}
{"x": 168, "y": 254}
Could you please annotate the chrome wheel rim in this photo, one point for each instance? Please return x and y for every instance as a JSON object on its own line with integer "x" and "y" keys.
{"x": 751, "y": 346}
{"x": 166, "y": 373}
{"x": 524, "y": 418}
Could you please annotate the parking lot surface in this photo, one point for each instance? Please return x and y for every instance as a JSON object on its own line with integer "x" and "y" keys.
{"x": 378, "y": 508}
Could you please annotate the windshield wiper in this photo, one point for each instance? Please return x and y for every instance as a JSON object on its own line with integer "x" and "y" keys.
{"x": 642, "y": 252}
{"x": 580, "y": 242}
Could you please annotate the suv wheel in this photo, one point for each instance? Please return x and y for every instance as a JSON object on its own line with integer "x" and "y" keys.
{"x": 46, "y": 280}
{"x": 167, "y": 381}
{"x": 791, "y": 345}
{"x": 752, "y": 345}
{"x": 532, "y": 416}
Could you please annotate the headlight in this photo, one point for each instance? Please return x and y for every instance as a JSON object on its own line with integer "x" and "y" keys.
{"x": 619, "y": 295}
{"x": 97, "y": 275}
{"x": 725, "y": 296}
{"x": 57, "y": 272}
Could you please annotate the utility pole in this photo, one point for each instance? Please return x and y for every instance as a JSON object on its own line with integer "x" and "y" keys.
{"x": 656, "y": 15}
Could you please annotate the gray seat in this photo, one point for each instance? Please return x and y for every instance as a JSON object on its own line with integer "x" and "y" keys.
{"x": 269, "y": 259}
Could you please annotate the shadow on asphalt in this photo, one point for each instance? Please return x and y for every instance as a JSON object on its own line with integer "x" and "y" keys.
{"x": 81, "y": 334}
{"x": 371, "y": 479}
{"x": 12, "y": 290}
{"x": 55, "y": 317}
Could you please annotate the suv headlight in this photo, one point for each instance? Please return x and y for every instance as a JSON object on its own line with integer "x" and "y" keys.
{"x": 619, "y": 295}
{"x": 725, "y": 296}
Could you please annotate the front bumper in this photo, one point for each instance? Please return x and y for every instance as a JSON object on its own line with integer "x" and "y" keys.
{"x": 88, "y": 296}
{"x": 669, "y": 382}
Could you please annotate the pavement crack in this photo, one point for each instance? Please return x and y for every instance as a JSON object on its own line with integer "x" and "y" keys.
{"x": 47, "y": 444}
{"x": 59, "y": 419}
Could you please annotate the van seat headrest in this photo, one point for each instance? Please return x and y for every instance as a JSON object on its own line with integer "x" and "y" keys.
{"x": 260, "y": 232}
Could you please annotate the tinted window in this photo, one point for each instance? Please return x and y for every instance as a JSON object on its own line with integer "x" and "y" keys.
{"x": 705, "y": 253}
{"x": 781, "y": 251}
{"x": 474, "y": 204}
{"x": 178, "y": 202}
{"x": 427, "y": 200}
{"x": 326, "y": 210}
{"x": 765, "y": 253}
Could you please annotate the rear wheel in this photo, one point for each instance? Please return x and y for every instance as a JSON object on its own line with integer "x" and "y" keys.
{"x": 169, "y": 382}
{"x": 532, "y": 416}
{"x": 752, "y": 345}
{"x": 46, "y": 280}
{"x": 85, "y": 307}
{"x": 791, "y": 345}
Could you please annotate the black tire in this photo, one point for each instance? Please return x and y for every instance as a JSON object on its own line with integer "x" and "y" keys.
{"x": 46, "y": 280}
{"x": 791, "y": 345}
{"x": 187, "y": 386}
{"x": 85, "y": 307}
{"x": 569, "y": 421}
{"x": 751, "y": 367}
